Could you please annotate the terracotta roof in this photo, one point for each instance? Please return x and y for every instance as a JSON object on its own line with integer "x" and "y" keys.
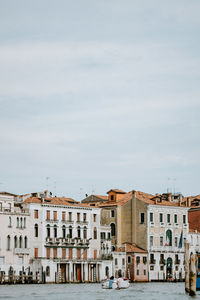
{"x": 101, "y": 197}
{"x": 134, "y": 248}
{"x": 54, "y": 200}
{"x": 6, "y": 193}
{"x": 116, "y": 191}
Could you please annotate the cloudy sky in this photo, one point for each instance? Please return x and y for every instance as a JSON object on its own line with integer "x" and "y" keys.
{"x": 99, "y": 94}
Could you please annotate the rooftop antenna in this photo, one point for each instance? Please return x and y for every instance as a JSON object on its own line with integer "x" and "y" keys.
{"x": 55, "y": 187}
{"x": 174, "y": 185}
{"x": 168, "y": 184}
{"x": 47, "y": 182}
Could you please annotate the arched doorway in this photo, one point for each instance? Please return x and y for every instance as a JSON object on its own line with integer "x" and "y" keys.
{"x": 169, "y": 268}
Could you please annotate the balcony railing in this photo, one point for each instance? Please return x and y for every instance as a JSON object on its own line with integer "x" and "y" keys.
{"x": 21, "y": 251}
{"x": 67, "y": 241}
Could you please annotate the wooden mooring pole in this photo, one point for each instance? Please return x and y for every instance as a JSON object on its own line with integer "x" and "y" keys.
{"x": 187, "y": 271}
{"x": 193, "y": 275}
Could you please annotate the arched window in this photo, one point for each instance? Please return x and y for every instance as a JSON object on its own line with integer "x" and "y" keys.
{"x": 25, "y": 242}
{"x": 47, "y": 271}
{"x": 15, "y": 241}
{"x": 63, "y": 231}
{"x": 55, "y": 231}
{"x": 8, "y": 242}
{"x": 78, "y": 232}
{"x": 168, "y": 237}
{"x": 112, "y": 225}
{"x": 48, "y": 231}
{"x": 21, "y": 222}
{"x": 36, "y": 230}
{"x": 20, "y": 242}
{"x": 17, "y": 222}
{"x": 9, "y": 222}
{"x": 24, "y": 222}
{"x": 85, "y": 232}
{"x": 70, "y": 232}
{"x": 95, "y": 233}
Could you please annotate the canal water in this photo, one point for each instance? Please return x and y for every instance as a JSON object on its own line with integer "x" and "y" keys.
{"x": 139, "y": 291}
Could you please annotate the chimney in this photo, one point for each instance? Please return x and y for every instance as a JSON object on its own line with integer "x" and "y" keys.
{"x": 169, "y": 197}
{"x": 188, "y": 202}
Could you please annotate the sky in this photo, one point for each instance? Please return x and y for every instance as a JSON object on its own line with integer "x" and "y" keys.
{"x": 99, "y": 94}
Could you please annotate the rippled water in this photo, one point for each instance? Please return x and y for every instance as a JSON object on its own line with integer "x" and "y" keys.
{"x": 139, "y": 291}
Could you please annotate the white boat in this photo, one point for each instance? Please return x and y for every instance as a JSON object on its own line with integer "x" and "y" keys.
{"x": 123, "y": 285}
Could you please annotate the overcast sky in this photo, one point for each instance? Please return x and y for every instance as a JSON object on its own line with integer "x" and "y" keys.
{"x": 99, "y": 94}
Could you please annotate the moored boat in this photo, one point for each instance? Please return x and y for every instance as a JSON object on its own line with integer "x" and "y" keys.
{"x": 124, "y": 284}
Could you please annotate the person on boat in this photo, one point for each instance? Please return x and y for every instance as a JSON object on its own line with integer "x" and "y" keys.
{"x": 119, "y": 281}
{"x": 111, "y": 280}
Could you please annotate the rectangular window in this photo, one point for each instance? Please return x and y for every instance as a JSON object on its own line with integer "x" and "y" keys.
{"x": 54, "y": 252}
{"x": 184, "y": 219}
{"x": 95, "y": 254}
{"x": 48, "y": 214}
{"x": 112, "y": 213}
{"x": 78, "y": 217}
{"x": 63, "y": 253}
{"x": 94, "y": 217}
{"x": 63, "y": 216}
{"x": 152, "y": 261}
{"x": 70, "y": 216}
{"x": 20, "y": 260}
{"x": 151, "y": 217}
{"x": 55, "y": 215}
{"x": 48, "y": 252}
{"x": 78, "y": 254}
{"x": 84, "y": 217}
{"x": 138, "y": 272}
{"x": 137, "y": 259}
{"x": 176, "y": 242}
{"x": 116, "y": 262}
{"x": 141, "y": 218}
{"x": 161, "y": 218}
{"x": 168, "y": 218}
{"x": 161, "y": 240}
{"x": 2, "y": 260}
{"x": 36, "y": 214}
{"x": 145, "y": 272}
{"x": 175, "y": 219}
{"x": 108, "y": 236}
{"x": 70, "y": 254}
{"x": 36, "y": 252}
{"x": 123, "y": 261}
{"x": 129, "y": 259}
{"x": 85, "y": 254}
{"x": 151, "y": 241}
{"x": 144, "y": 260}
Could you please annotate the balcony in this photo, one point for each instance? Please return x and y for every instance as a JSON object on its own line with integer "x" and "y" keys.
{"x": 21, "y": 251}
{"x": 82, "y": 222}
{"x": 52, "y": 220}
{"x": 68, "y": 221}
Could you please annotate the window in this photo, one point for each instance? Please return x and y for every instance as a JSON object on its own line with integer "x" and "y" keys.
{"x": 112, "y": 197}
{"x": 112, "y": 213}
{"x": 48, "y": 252}
{"x": 63, "y": 215}
{"x": 25, "y": 242}
{"x": 70, "y": 216}
{"x": 168, "y": 238}
{"x": 161, "y": 218}
{"x": 55, "y": 231}
{"x": 175, "y": 219}
{"x": 21, "y": 222}
{"x": 70, "y": 232}
{"x": 95, "y": 254}
{"x": 137, "y": 260}
{"x": 8, "y": 242}
{"x": 63, "y": 253}
{"x": 36, "y": 214}
{"x": 144, "y": 260}
{"x": 129, "y": 259}
{"x": 54, "y": 252}
{"x": 9, "y": 222}
{"x": 63, "y": 231}
{"x": 152, "y": 260}
{"x": 141, "y": 218}
{"x": 78, "y": 254}
{"x": 36, "y": 252}
{"x": 168, "y": 218}
{"x": 112, "y": 225}
{"x": 145, "y": 272}
{"x": 161, "y": 240}
{"x": 94, "y": 217}
{"x": 36, "y": 230}
{"x": 47, "y": 271}
{"x": 138, "y": 272}
{"x": 70, "y": 254}
{"x": 17, "y": 222}
{"x": 24, "y": 222}
{"x": 108, "y": 235}
{"x": 48, "y": 231}
{"x": 2, "y": 260}
{"x": 85, "y": 254}
{"x": 20, "y": 242}
{"x": 79, "y": 232}
{"x": 84, "y": 217}
{"x": 15, "y": 242}
{"x": 151, "y": 241}
{"x": 176, "y": 242}
{"x": 116, "y": 262}
{"x": 184, "y": 219}
{"x": 95, "y": 233}
{"x": 123, "y": 261}
{"x": 20, "y": 260}
{"x": 48, "y": 214}
{"x": 151, "y": 217}
{"x": 78, "y": 217}
{"x": 85, "y": 232}
{"x": 55, "y": 215}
